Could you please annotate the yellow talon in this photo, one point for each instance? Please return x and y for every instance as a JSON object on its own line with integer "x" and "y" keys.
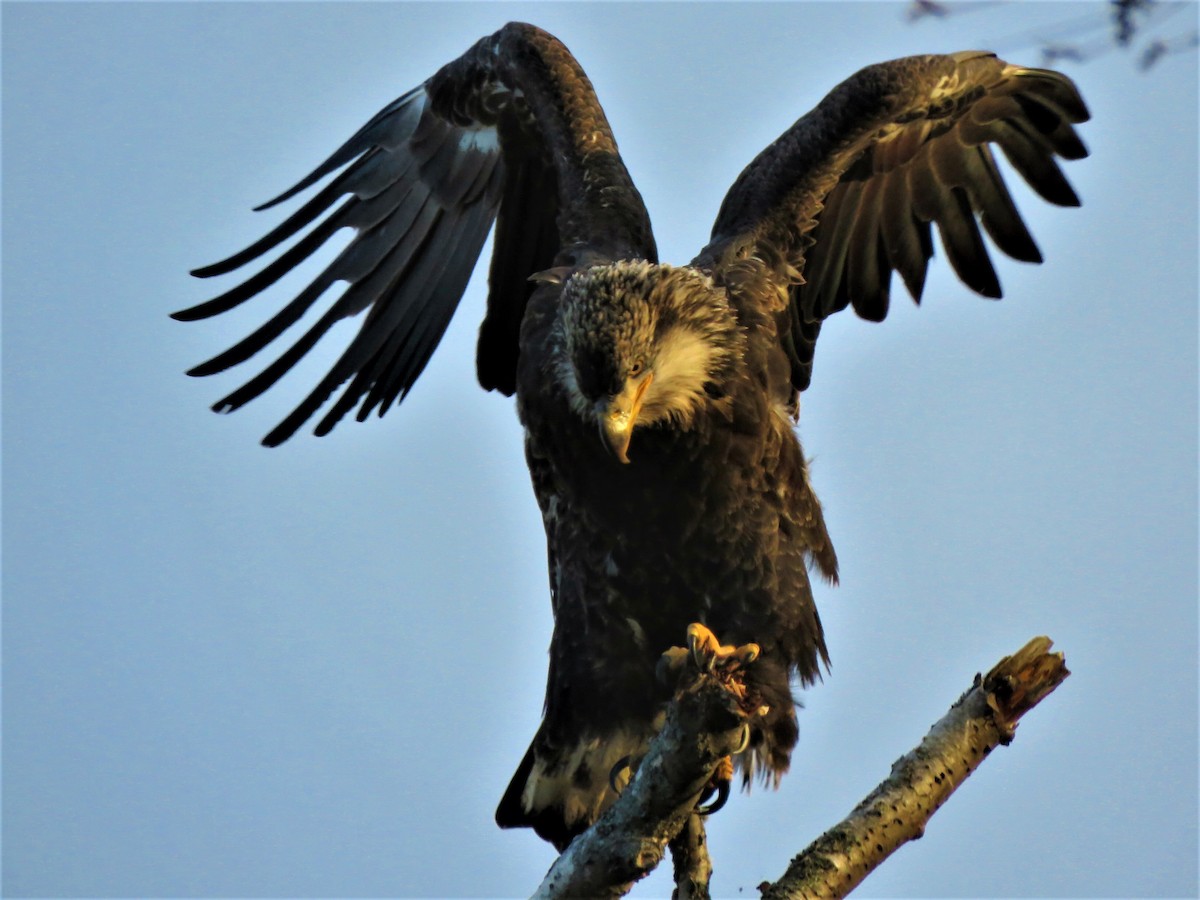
{"x": 707, "y": 652}
{"x": 722, "y": 778}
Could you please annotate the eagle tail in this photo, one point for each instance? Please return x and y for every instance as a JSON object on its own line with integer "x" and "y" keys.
{"x": 517, "y": 811}
{"x": 511, "y": 812}
{"x": 559, "y": 790}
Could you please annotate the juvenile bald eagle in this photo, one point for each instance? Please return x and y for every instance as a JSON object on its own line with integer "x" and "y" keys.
{"x": 658, "y": 401}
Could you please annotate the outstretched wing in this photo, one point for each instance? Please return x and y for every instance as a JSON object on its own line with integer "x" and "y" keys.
{"x": 511, "y": 131}
{"x": 848, "y": 194}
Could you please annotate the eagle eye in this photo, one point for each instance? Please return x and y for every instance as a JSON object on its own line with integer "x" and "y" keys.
{"x": 636, "y": 369}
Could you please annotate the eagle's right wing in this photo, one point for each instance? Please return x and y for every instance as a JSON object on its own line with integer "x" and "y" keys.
{"x": 511, "y": 131}
{"x": 848, "y": 194}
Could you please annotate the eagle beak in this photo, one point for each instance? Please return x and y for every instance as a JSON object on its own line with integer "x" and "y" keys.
{"x": 619, "y": 415}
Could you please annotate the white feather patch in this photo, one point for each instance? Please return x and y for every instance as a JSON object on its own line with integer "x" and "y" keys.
{"x": 684, "y": 364}
{"x": 582, "y": 802}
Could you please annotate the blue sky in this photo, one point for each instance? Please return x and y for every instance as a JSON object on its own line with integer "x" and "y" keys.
{"x": 311, "y": 671}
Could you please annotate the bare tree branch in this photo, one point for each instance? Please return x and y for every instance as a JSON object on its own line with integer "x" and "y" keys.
{"x": 703, "y": 724}
{"x": 693, "y": 867}
{"x": 1115, "y": 25}
{"x": 921, "y": 781}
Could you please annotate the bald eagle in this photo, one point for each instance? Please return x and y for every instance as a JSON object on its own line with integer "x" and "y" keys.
{"x": 658, "y": 401}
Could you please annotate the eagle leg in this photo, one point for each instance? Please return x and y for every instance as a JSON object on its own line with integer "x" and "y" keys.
{"x": 706, "y": 655}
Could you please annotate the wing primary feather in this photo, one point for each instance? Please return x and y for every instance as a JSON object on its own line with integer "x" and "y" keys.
{"x": 420, "y": 329}
{"x": 927, "y": 193}
{"x": 901, "y": 240}
{"x": 914, "y": 280}
{"x": 267, "y": 332}
{"x": 396, "y": 322}
{"x": 390, "y": 127}
{"x": 964, "y": 246}
{"x": 409, "y": 361}
{"x": 864, "y": 281}
{"x": 463, "y": 174}
{"x": 363, "y": 358}
{"x": 391, "y": 231}
{"x": 432, "y": 145}
{"x": 402, "y": 211}
{"x": 997, "y": 212}
{"x": 1035, "y": 165}
{"x": 276, "y": 370}
{"x": 270, "y": 273}
{"x": 1051, "y": 88}
{"x": 389, "y": 327}
{"x": 827, "y": 276}
{"x": 1050, "y": 123}
{"x": 404, "y": 206}
{"x": 949, "y": 159}
{"x": 349, "y": 181}
{"x": 346, "y": 305}
{"x": 1057, "y": 90}
{"x": 1040, "y": 116}
{"x": 369, "y": 337}
{"x": 995, "y": 108}
{"x": 356, "y": 213}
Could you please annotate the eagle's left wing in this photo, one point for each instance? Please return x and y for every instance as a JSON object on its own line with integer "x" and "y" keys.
{"x": 511, "y": 131}
{"x": 849, "y": 193}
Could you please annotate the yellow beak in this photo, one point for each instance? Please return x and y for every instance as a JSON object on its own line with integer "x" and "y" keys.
{"x": 619, "y": 416}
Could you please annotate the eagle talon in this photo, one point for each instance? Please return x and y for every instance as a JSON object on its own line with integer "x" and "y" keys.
{"x": 743, "y": 743}
{"x": 722, "y": 779}
{"x": 621, "y": 766}
{"x": 708, "y": 653}
{"x": 703, "y": 647}
{"x": 719, "y": 803}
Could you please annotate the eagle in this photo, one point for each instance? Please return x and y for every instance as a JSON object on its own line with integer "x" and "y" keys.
{"x": 658, "y": 401}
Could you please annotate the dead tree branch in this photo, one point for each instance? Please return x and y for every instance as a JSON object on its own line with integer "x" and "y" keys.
{"x": 921, "y": 781}
{"x": 693, "y": 868}
{"x": 1116, "y": 25}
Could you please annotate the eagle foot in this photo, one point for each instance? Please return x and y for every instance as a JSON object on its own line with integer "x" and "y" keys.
{"x": 727, "y": 663}
{"x": 710, "y": 655}
{"x": 707, "y": 655}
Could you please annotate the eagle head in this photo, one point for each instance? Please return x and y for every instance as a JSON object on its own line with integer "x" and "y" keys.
{"x": 640, "y": 343}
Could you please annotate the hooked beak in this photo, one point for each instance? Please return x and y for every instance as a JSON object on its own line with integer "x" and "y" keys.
{"x": 619, "y": 415}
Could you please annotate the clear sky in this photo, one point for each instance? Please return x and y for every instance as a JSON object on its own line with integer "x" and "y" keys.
{"x": 311, "y": 671}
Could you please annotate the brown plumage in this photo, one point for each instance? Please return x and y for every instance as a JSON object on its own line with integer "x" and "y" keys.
{"x": 658, "y": 401}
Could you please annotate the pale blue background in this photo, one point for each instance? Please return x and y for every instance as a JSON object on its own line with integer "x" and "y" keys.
{"x": 311, "y": 671}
